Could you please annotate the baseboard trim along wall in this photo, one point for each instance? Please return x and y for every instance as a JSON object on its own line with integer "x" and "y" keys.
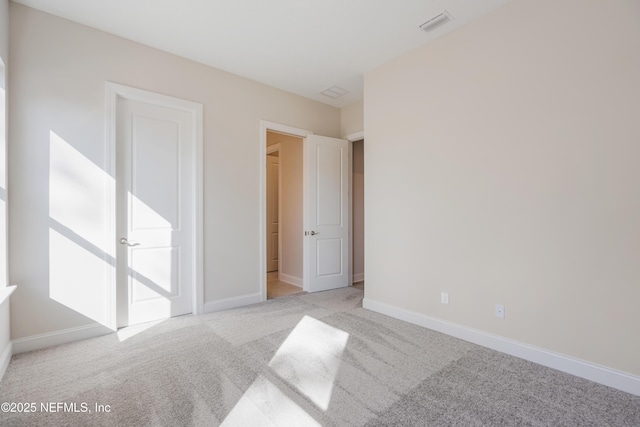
{"x": 36, "y": 342}
{"x": 292, "y": 280}
{"x": 225, "y": 304}
{"x": 580, "y": 368}
{"x": 5, "y": 359}
{"x": 359, "y": 277}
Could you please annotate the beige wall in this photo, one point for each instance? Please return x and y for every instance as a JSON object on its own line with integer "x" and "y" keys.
{"x": 60, "y": 69}
{"x": 291, "y": 205}
{"x": 502, "y": 167}
{"x": 4, "y": 306}
{"x": 4, "y": 58}
{"x": 352, "y": 119}
{"x": 358, "y": 210}
{"x": 4, "y": 30}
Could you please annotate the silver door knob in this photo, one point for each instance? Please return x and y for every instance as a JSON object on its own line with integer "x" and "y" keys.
{"x": 124, "y": 241}
{"x": 313, "y": 233}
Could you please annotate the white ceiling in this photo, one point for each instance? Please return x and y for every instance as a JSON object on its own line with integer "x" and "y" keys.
{"x": 301, "y": 46}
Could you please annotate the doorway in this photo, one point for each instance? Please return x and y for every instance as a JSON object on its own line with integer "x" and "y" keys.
{"x": 156, "y": 144}
{"x": 283, "y": 214}
{"x": 357, "y": 197}
{"x": 325, "y": 228}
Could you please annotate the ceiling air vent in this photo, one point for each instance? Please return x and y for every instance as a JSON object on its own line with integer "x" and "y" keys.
{"x": 334, "y": 92}
{"x": 436, "y": 21}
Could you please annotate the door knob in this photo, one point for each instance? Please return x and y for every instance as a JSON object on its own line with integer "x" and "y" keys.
{"x": 124, "y": 241}
{"x": 313, "y": 233}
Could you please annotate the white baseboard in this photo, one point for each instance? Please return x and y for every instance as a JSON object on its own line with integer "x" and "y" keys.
{"x": 601, "y": 374}
{"x": 36, "y": 342}
{"x": 5, "y": 358}
{"x": 225, "y": 304}
{"x": 292, "y": 280}
{"x": 358, "y": 277}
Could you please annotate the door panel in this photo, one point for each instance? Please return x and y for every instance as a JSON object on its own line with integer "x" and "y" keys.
{"x": 329, "y": 185}
{"x": 326, "y": 213}
{"x": 155, "y": 194}
{"x": 329, "y": 253}
{"x": 154, "y": 273}
{"x": 156, "y": 173}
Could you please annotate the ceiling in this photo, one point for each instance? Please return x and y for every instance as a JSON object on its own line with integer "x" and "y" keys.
{"x": 301, "y": 46}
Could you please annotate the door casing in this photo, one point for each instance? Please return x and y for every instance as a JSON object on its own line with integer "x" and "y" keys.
{"x": 113, "y": 91}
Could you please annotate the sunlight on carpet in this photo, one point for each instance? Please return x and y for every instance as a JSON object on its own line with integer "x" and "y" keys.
{"x": 309, "y": 359}
{"x": 131, "y": 331}
{"x": 264, "y": 399}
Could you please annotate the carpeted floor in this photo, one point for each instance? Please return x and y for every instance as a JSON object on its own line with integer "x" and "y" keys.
{"x": 306, "y": 359}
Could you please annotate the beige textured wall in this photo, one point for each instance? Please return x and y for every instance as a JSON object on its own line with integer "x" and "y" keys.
{"x": 291, "y": 203}
{"x": 502, "y": 167}
{"x": 352, "y": 118}
{"x": 4, "y": 58}
{"x": 4, "y": 307}
{"x": 60, "y": 69}
{"x": 4, "y": 30}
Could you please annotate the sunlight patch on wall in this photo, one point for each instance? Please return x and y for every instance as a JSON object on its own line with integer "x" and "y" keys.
{"x": 79, "y": 258}
{"x": 309, "y": 359}
{"x": 77, "y": 193}
{"x": 76, "y": 277}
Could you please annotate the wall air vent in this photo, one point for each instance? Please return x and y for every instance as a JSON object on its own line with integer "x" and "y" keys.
{"x": 436, "y": 21}
{"x": 334, "y": 92}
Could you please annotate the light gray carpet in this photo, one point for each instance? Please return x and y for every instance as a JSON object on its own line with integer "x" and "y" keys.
{"x": 306, "y": 359}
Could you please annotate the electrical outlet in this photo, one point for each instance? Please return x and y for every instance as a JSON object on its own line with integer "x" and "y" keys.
{"x": 444, "y": 297}
{"x": 500, "y": 311}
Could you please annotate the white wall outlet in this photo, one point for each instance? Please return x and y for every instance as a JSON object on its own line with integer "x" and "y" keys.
{"x": 500, "y": 311}
{"x": 444, "y": 297}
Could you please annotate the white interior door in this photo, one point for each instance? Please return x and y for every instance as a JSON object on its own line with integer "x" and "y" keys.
{"x": 273, "y": 228}
{"x": 326, "y": 213}
{"x": 155, "y": 148}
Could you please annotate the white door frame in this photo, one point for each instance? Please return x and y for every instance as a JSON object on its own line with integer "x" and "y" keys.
{"x": 114, "y": 91}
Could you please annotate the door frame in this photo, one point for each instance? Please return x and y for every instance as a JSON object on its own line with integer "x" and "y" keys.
{"x": 113, "y": 92}
{"x": 270, "y": 150}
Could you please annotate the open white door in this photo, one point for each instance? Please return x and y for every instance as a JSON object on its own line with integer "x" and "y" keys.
{"x": 326, "y": 213}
